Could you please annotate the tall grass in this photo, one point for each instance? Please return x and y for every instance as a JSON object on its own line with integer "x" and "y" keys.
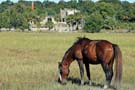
{"x": 28, "y": 61}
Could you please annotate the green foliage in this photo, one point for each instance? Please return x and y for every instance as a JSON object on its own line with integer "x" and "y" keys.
{"x": 110, "y": 1}
{"x": 109, "y": 23}
{"x": 4, "y": 21}
{"x": 74, "y": 18}
{"x": 86, "y": 7}
{"x": 49, "y": 25}
{"x": 105, "y": 9}
{"x": 106, "y": 14}
{"x": 93, "y": 23}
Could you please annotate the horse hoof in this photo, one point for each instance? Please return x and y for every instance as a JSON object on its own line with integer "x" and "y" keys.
{"x": 90, "y": 83}
{"x": 82, "y": 82}
{"x": 105, "y": 87}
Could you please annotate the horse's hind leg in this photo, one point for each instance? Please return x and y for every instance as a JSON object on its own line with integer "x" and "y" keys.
{"x": 108, "y": 73}
{"x": 80, "y": 63}
{"x": 88, "y": 73}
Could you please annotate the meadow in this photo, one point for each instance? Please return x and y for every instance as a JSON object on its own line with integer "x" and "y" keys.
{"x": 29, "y": 60}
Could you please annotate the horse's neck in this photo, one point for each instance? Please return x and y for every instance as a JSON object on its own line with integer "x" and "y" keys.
{"x": 67, "y": 59}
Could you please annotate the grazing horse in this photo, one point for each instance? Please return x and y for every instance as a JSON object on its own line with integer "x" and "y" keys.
{"x": 86, "y": 51}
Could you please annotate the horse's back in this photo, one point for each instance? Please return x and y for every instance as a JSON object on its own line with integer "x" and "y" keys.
{"x": 90, "y": 52}
{"x": 98, "y": 51}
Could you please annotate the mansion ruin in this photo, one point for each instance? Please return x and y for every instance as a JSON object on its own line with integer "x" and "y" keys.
{"x": 60, "y": 25}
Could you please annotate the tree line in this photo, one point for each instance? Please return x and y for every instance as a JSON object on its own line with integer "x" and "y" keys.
{"x": 104, "y": 14}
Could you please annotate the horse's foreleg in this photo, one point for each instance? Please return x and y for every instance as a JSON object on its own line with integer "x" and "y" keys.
{"x": 108, "y": 74}
{"x": 80, "y": 63}
{"x": 88, "y": 73}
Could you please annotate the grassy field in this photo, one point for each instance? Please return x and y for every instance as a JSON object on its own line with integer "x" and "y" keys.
{"x": 29, "y": 61}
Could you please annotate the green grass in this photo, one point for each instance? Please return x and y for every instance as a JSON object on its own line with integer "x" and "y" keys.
{"x": 29, "y": 61}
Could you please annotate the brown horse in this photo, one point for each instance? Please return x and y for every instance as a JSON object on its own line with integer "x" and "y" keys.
{"x": 86, "y": 51}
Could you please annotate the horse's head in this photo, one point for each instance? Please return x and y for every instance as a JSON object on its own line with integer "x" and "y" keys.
{"x": 63, "y": 72}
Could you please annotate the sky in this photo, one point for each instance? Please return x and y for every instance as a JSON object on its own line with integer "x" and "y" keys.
{"x": 64, "y": 0}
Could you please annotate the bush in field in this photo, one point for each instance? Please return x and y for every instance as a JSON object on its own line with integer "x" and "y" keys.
{"x": 93, "y": 23}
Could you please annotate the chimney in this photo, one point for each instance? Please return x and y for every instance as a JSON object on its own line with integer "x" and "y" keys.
{"x": 32, "y": 6}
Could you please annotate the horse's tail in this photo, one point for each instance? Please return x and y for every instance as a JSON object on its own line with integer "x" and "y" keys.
{"x": 118, "y": 65}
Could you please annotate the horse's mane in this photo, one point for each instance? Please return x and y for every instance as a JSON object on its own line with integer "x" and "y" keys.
{"x": 80, "y": 39}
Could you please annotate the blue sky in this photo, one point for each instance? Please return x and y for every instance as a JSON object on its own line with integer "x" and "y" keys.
{"x": 58, "y": 0}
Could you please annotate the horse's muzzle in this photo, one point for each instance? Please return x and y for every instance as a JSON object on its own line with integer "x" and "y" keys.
{"x": 63, "y": 82}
